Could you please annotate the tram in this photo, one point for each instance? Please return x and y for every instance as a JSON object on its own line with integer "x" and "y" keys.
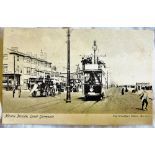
{"x": 93, "y": 81}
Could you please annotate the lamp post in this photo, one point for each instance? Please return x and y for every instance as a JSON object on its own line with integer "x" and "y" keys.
{"x": 95, "y": 49}
{"x": 68, "y": 94}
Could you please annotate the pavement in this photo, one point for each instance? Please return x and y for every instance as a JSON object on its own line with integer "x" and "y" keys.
{"x": 113, "y": 103}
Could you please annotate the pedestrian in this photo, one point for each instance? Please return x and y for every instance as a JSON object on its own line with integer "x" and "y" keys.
{"x": 59, "y": 88}
{"x": 144, "y": 99}
{"x": 126, "y": 89}
{"x": 122, "y": 91}
{"x": 28, "y": 85}
{"x": 19, "y": 90}
{"x": 14, "y": 90}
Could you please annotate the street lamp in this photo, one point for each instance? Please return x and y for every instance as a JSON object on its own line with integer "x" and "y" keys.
{"x": 95, "y": 49}
{"x": 68, "y": 94}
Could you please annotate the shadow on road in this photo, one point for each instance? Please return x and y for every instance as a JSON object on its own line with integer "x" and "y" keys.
{"x": 139, "y": 109}
{"x": 81, "y": 98}
{"x": 90, "y": 99}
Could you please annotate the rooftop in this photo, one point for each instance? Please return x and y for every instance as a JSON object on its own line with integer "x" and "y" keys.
{"x": 27, "y": 55}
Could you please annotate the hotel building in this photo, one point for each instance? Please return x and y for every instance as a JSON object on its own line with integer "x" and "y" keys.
{"x": 22, "y": 66}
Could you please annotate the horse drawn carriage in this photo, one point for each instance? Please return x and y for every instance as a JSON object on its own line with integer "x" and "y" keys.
{"x": 41, "y": 87}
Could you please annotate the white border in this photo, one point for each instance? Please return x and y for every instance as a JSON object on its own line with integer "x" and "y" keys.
{"x": 97, "y": 13}
{"x": 77, "y": 141}
{"x": 77, "y": 13}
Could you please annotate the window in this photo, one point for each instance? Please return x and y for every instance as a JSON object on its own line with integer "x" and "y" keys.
{"x": 93, "y": 77}
{"x": 5, "y": 68}
{"x": 17, "y": 57}
{"x": 35, "y": 72}
{"x": 17, "y": 69}
{"x": 33, "y": 61}
{"x": 49, "y": 65}
{"x": 5, "y": 56}
{"x": 27, "y": 70}
{"x": 32, "y": 71}
{"x": 28, "y": 60}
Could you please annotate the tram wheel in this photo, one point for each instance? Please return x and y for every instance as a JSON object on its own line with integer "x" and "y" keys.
{"x": 86, "y": 98}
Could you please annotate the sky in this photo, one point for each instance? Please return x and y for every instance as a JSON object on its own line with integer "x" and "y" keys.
{"x": 128, "y": 52}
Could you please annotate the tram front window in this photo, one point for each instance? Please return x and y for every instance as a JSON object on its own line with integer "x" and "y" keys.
{"x": 92, "y": 77}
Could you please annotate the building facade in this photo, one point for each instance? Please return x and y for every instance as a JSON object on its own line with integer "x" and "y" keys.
{"x": 141, "y": 85}
{"x": 22, "y": 66}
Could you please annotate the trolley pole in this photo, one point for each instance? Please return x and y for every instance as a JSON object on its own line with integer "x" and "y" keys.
{"x": 14, "y": 87}
{"x": 68, "y": 95}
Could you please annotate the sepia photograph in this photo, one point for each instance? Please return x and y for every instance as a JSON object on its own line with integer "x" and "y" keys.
{"x": 77, "y": 77}
{"x": 86, "y": 76}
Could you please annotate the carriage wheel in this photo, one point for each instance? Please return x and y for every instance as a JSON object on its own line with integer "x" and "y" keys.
{"x": 46, "y": 93}
{"x": 34, "y": 94}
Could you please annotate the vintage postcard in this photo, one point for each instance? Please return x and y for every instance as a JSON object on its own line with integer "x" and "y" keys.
{"x": 77, "y": 76}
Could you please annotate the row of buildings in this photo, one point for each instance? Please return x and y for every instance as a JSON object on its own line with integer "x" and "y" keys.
{"x": 138, "y": 86}
{"x": 23, "y": 65}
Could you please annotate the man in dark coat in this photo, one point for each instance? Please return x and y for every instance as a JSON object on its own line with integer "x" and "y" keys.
{"x": 122, "y": 91}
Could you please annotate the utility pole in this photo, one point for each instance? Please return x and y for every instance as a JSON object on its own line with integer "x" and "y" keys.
{"x": 97, "y": 59}
{"x": 14, "y": 69}
{"x": 68, "y": 95}
{"x": 95, "y": 49}
{"x": 14, "y": 87}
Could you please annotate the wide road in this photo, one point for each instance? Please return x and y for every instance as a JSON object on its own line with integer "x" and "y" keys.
{"x": 113, "y": 103}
